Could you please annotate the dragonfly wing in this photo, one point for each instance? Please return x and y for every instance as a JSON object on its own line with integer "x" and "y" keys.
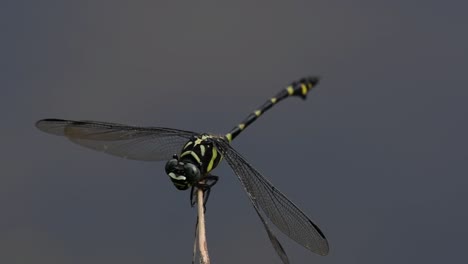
{"x": 274, "y": 241}
{"x": 269, "y": 201}
{"x": 137, "y": 143}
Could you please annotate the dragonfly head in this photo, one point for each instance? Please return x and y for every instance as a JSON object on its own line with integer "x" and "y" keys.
{"x": 182, "y": 174}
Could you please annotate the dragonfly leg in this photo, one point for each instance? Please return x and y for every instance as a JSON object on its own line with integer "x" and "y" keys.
{"x": 208, "y": 182}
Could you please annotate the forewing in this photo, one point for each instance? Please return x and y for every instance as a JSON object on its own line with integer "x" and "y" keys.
{"x": 284, "y": 214}
{"x": 137, "y": 143}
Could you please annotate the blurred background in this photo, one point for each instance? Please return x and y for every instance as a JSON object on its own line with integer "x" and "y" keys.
{"x": 377, "y": 154}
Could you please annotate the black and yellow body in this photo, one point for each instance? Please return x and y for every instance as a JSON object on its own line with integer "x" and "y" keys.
{"x": 195, "y": 156}
{"x": 299, "y": 88}
{"x": 197, "y": 159}
{"x": 201, "y": 150}
{"x": 199, "y": 156}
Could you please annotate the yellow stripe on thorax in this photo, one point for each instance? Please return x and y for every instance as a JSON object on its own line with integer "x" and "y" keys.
{"x": 213, "y": 158}
{"x": 194, "y": 155}
{"x": 304, "y": 89}
{"x": 202, "y": 150}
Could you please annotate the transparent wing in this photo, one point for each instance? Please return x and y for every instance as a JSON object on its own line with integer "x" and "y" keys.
{"x": 269, "y": 201}
{"x": 137, "y": 143}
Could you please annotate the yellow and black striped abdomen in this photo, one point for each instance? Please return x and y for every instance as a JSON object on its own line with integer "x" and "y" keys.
{"x": 299, "y": 88}
{"x": 201, "y": 151}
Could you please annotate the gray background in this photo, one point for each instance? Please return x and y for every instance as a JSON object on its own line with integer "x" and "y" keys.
{"x": 377, "y": 155}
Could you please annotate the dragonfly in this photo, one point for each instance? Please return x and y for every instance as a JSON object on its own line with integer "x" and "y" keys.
{"x": 191, "y": 157}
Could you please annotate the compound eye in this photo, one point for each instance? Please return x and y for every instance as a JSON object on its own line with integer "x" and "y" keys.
{"x": 192, "y": 172}
{"x": 171, "y": 165}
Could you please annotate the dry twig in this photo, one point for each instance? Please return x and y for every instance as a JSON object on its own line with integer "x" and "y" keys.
{"x": 204, "y": 257}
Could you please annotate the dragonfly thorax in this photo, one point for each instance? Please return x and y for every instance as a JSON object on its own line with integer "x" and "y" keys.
{"x": 198, "y": 157}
